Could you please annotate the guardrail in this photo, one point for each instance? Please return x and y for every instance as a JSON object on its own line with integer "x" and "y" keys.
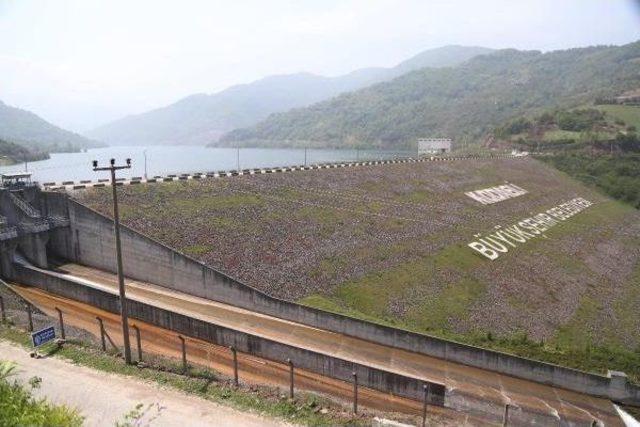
{"x": 84, "y": 184}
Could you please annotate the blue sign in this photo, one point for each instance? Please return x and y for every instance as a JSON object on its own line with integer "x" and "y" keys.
{"x": 43, "y": 336}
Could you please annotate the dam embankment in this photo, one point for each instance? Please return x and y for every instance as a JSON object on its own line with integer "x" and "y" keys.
{"x": 89, "y": 241}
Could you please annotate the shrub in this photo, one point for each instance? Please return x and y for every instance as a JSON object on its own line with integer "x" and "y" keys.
{"x": 19, "y": 408}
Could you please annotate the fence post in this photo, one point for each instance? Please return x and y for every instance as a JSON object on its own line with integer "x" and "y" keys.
{"x": 138, "y": 342}
{"x": 184, "y": 353}
{"x": 424, "y": 405}
{"x": 290, "y": 362}
{"x": 2, "y": 313}
{"x": 505, "y": 421}
{"x": 61, "y": 321}
{"x": 102, "y": 340}
{"x": 30, "y": 317}
{"x": 235, "y": 364}
{"x": 355, "y": 392}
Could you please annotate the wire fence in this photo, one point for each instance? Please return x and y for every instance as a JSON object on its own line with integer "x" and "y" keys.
{"x": 166, "y": 351}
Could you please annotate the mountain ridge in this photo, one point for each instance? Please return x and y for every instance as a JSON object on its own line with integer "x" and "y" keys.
{"x": 463, "y": 102}
{"x": 202, "y": 118}
{"x": 25, "y": 128}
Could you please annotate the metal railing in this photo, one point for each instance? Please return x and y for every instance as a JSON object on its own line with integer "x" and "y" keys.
{"x": 24, "y": 206}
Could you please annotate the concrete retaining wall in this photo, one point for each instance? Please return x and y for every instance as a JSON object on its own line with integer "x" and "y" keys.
{"x": 90, "y": 241}
{"x": 329, "y": 366}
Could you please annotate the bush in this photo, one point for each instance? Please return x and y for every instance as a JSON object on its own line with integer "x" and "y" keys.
{"x": 579, "y": 120}
{"x": 515, "y": 127}
{"x": 19, "y": 408}
{"x": 616, "y": 175}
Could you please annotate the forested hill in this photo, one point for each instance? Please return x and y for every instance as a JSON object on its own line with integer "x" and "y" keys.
{"x": 466, "y": 101}
{"x": 203, "y": 118}
{"x": 36, "y": 134}
{"x": 14, "y": 153}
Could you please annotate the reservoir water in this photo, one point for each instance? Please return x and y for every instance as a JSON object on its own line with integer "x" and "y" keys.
{"x": 163, "y": 160}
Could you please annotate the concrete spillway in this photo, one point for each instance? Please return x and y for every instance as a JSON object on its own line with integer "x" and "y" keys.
{"x": 478, "y": 392}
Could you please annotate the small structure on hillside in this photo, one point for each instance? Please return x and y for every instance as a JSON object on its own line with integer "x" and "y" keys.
{"x": 434, "y": 145}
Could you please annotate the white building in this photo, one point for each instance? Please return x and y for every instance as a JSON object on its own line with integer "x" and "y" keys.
{"x": 434, "y": 145}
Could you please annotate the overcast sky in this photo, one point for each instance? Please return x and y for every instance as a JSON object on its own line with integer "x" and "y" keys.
{"x": 80, "y": 63}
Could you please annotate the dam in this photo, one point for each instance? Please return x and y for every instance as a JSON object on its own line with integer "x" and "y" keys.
{"x": 55, "y": 248}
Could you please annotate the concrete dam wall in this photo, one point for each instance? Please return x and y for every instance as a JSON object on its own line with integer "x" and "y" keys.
{"x": 323, "y": 364}
{"x": 89, "y": 240}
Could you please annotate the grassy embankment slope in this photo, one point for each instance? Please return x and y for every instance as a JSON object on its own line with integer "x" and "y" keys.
{"x": 388, "y": 244}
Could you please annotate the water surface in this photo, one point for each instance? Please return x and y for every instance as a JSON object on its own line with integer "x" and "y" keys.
{"x": 163, "y": 160}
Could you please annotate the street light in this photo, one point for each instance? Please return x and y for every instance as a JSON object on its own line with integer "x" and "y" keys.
{"x": 145, "y": 163}
{"x": 116, "y": 220}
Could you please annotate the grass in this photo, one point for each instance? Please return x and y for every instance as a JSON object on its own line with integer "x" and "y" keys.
{"x": 416, "y": 196}
{"x": 559, "y": 134}
{"x": 629, "y": 114}
{"x": 19, "y": 408}
{"x": 625, "y": 308}
{"x": 205, "y": 383}
{"x": 372, "y": 293}
{"x": 452, "y": 303}
{"x": 193, "y": 206}
{"x": 196, "y": 250}
{"x": 577, "y": 333}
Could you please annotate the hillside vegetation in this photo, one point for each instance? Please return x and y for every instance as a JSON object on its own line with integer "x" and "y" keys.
{"x": 389, "y": 244}
{"x": 203, "y": 118}
{"x": 36, "y": 134}
{"x": 11, "y": 153}
{"x": 598, "y": 145}
{"x": 465, "y": 102}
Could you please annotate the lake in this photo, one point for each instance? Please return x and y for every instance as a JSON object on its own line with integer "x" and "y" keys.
{"x": 162, "y": 160}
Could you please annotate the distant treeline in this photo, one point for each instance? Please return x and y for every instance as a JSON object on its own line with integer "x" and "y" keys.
{"x": 11, "y": 152}
{"x": 616, "y": 175}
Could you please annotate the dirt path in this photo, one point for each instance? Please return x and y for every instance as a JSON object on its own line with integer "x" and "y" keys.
{"x": 105, "y": 398}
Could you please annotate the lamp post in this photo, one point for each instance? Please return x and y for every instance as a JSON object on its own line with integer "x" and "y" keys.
{"x": 145, "y": 163}
{"x": 116, "y": 220}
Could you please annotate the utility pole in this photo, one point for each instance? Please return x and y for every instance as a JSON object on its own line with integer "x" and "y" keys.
{"x": 305, "y": 157}
{"x": 238, "y": 160}
{"x": 116, "y": 220}
{"x": 145, "y": 163}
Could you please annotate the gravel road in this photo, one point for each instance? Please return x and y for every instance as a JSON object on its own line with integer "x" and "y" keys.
{"x": 105, "y": 398}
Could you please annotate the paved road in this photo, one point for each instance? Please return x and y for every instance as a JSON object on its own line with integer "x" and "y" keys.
{"x": 92, "y": 392}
